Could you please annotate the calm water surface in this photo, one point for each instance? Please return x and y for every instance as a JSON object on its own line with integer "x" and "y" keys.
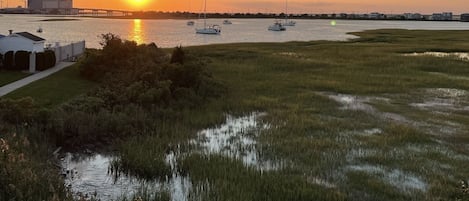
{"x": 171, "y": 33}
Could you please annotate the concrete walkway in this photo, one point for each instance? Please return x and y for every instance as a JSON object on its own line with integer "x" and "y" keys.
{"x": 37, "y": 76}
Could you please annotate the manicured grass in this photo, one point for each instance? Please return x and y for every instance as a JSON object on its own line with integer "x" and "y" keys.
{"x": 55, "y": 89}
{"x": 7, "y": 77}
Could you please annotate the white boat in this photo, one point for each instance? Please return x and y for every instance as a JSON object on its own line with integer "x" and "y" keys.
{"x": 227, "y": 22}
{"x": 277, "y": 26}
{"x": 211, "y": 29}
{"x": 288, "y": 22}
{"x": 208, "y": 29}
{"x": 190, "y": 23}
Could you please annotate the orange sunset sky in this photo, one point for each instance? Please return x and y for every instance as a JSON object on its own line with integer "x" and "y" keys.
{"x": 276, "y": 6}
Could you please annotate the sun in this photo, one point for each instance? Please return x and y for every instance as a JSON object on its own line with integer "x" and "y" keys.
{"x": 137, "y": 3}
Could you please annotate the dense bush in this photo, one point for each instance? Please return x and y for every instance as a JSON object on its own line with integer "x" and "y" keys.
{"x": 144, "y": 75}
{"x": 45, "y": 60}
{"x": 40, "y": 61}
{"x": 27, "y": 171}
{"x": 8, "y": 60}
{"x": 21, "y": 60}
{"x": 49, "y": 59}
{"x": 178, "y": 55}
{"x": 17, "y": 111}
{"x": 1, "y": 61}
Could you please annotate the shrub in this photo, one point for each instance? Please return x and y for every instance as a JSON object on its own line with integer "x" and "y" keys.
{"x": 21, "y": 60}
{"x": 49, "y": 59}
{"x": 27, "y": 171}
{"x": 17, "y": 111}
{"x": 40, "y": 61}
{"x": 1, "y": 61}
{"x": 8, "y": 60}
{"x": 178, "y": 55}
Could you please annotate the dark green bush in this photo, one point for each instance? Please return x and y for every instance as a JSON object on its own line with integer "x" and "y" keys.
{"x": 49, "y": 59}
{"x": 1, "y": 61}
{"x": 9, "y": 60}
{"x": 17, "y": 111}
{"x": 40, "y": 61}
{"x": 178, "y": 55}
{"x": 21, "y": 60}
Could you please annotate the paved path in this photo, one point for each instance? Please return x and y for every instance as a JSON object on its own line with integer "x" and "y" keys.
{"x": 37, "y": 76}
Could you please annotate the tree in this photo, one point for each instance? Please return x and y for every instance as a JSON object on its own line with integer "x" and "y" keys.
{"x": 178, "y": 55}
{"x": 8, "y": 60}
{"x": 21, "y": 60}
{"x": 1, "y": 61}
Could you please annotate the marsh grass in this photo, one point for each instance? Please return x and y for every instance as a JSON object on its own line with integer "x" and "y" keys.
{"x": 319, "y": 138}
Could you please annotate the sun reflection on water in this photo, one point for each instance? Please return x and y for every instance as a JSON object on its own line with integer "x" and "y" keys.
{"x": 137, "y": 33}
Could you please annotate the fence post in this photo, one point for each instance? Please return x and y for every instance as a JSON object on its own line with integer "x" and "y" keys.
{"x": 32, "y": 62}
{"x": 58, "y": 52}
{"x": 73, "y": 53}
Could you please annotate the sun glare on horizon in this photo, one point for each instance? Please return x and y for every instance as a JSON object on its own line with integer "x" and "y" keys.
{"x": 137, "y": 3}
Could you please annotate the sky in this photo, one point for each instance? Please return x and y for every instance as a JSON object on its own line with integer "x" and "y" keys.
{"x": 277, "y": 6}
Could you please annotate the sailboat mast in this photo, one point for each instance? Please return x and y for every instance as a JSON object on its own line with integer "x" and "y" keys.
{"x": 205, "y": 14}
{"x": 286, "y": 11}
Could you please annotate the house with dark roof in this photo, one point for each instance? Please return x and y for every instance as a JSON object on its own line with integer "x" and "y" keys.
{"x": 21, "y": 41}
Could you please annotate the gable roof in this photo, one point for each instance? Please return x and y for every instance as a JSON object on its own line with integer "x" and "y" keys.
{"x": 30, "y": 36}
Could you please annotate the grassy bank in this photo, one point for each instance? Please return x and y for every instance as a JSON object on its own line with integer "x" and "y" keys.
{"x": 54, "y": 90}
{"x": 355, "y": 120}
{"x": 7, "y": 77}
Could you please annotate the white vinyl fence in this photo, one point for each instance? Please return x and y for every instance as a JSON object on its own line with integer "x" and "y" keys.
{"x": 68, "y": 52}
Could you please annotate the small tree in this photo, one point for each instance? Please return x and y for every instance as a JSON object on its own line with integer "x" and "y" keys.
{"x": 21, "y": 60}
{"x": 1, "y": 61}
{"x": 8, "y": 60}
{"x": 40, "y": 61}
{"x": 49, "y": 59}
{"x": 178, "y": 55}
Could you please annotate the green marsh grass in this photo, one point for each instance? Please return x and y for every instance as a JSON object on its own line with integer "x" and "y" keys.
{"x": 316, "y": 136}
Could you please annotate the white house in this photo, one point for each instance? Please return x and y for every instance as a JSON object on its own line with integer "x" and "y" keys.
{"x": 21, "y": 41}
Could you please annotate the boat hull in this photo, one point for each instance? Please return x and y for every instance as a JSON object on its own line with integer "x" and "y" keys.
{"x": 208, "y": 31}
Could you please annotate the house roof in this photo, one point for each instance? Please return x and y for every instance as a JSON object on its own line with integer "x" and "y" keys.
{"x": 30, "y": 36}
{"x": 1, "y": 36}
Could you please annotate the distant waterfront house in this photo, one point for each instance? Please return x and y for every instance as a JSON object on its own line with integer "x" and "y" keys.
{"x": 465, "y": 17}
{"x": 446, "y": 16}
{"x": 412, "y": 16}
{"x": 21, "y": 41}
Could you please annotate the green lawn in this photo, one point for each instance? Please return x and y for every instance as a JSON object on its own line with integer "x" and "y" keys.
{"x": 7, "y": 77}
{"x": 55, "y": 89}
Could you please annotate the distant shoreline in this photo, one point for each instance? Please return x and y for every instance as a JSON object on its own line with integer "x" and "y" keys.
{"x": 186, "y": 15}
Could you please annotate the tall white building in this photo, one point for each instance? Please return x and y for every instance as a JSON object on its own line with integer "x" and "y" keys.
{"x": 50, "y": 4}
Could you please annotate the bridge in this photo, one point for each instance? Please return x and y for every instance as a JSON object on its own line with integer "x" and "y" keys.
{"x": 102, "y": 12}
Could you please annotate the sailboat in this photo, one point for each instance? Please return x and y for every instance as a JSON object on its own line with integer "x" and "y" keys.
{"x": 210, "y": 29}
{"x": 277, "y": 26}
{"x": 291, "y": 22}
